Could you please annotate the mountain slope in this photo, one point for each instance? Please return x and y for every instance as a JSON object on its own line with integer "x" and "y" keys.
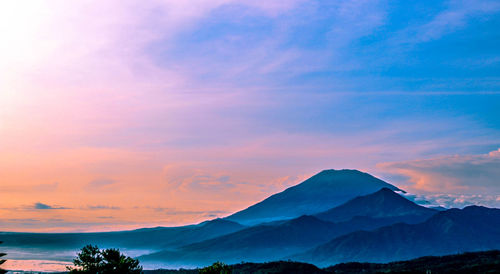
{"x": 267, "y": 242}
{"x": 381, "y": 204}
{"x": 52, "y": 245}
{"x": 272, "y": 241}
{"x": 258, "y": 243}
{"x": 321, "y": 192}
{"x": 473, "y": 228}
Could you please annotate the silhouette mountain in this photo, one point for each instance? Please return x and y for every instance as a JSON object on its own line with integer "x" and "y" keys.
{"x": 381, "y": 204}
{"x": 259, "y": 243}
{"x": 323, "y": 191}
{"x": 51, "y": 245}
{"x": 272, "y": 241}
{"x": 473, "y": 228}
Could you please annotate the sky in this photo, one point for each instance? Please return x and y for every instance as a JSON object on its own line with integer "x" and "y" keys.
{"x": 126, "y": 114}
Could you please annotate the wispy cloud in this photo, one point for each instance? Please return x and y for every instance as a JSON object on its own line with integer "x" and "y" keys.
{"x": 173, "y": 211}
{"x": 456, "y": 200}
{"x": 455, "y": 16}
{"x": 102, "y": 207}
{"x": 46, "y": 187}
{"x": 42, "y": 206}
{"x": 456, "y": 174}
{"x": 100, "y": 184}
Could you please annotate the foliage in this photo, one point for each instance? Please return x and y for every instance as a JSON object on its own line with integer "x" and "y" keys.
{"x": 216, "y": 268}
{"x": 276, "y": 267}
{"x": 466, "y": 263}
{"x": 2, "y": 261}
{"x": 471, "y": 262}
{"x": 92, "y": 260}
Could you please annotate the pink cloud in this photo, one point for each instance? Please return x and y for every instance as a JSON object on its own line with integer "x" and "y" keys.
{"x": 454, "y": 174}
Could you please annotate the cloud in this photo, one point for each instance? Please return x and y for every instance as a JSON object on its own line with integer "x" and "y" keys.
{"x": 174, "y": 211}
{"x": 43, "y": 206}
{"x": 456, "y": 16}
{"x": 100, "y": 183}
{"x": 454, "y": 200}
{"x": 46, "y": 187}
{"x": 102, "y": 207}
{"x": 105, "y": 217}
{"x": 455, "y": 174}
{"x": 186, "y": 178}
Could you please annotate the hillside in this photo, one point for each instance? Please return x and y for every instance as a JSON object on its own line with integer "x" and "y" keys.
{"x": 381, "y": 204}
{"x": 466, "y": 263}
{"x": 273, "y": 241}
{"x": 60, "y": 246}
{"x": 321, "y": 192}
{"x": 473, "y": 228}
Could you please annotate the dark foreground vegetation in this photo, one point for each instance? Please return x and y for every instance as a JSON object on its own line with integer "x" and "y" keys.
{"x": 2, "y": 271}
{"x": 466, "y": 263}
{"x": 92, "y": 260}
{"x": 472, "y": 262}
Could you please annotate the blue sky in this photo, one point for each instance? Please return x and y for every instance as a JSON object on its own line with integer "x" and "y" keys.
{"x": 159, "y": 100}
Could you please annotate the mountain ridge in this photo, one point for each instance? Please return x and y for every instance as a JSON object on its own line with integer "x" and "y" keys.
{"x": 381, "y": 204}
{"x": 323, "y": 191}
{"x": 473, "y": 228}
{"x": 267, "y": 241}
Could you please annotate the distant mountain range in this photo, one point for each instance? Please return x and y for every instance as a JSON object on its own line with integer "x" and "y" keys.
{"x": 61, "y": 246}
{"x": 272, "y": 241}
{"x": 381, "y": 204}
{"x": 335, "y": 216}
{"x": 473, "y": 228}
{"x": 323, "y": 191}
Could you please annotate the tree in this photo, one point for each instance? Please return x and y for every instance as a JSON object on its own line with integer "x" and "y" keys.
{"x": 2, "y": 271}
{"x": 92, "y": 260}
{"x": 89, "y": 260}
{"x": 118, "y": 263}
{"x": 216, "y": 268}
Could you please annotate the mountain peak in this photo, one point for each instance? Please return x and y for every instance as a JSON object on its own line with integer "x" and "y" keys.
{"x": 380, "y": 204}
{"x": 337, "y": 171}
{"x": 346, "y": 178}
{"x": 325, "y": 190}
{"x": 388, "y": 193}
{"x": 330, "y": 173}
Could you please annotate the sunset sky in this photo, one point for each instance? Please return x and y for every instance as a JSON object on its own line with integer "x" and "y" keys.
{"x": 123, "y": 114}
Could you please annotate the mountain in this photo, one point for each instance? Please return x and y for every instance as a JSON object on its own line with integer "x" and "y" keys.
{"x": 265, "y": 242}
{"x": 323, "y": 191}
{"x": 473, "y": 228}
{"x": 381, "y": 204}
{"x": 259, "y": 243}
{"x": 173, "y": 236}
{"x": 61, "y": 246}
{"x": 272, "y": 241}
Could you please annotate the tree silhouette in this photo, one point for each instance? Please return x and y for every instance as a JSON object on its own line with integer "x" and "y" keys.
{"x": 2, "y": 271}
{"x": 92, "y": 260}
{"x": 216, "y": 268}
{"x": 118, "y": 263}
